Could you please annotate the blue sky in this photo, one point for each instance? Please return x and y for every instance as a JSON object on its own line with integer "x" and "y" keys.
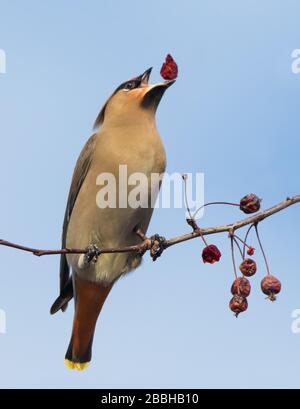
{"x": 233, "y": 114}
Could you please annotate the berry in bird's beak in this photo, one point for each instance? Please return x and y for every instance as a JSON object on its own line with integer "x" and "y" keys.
{"x": 250, "y": 203}
{"x": 271, "y": 286}
{"x": 169, "y": 69}
{"x": 211, "y": 254}
{"x": 248, "y": 267}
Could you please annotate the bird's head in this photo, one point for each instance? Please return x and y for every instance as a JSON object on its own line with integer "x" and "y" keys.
{"x": 133, "y": 100}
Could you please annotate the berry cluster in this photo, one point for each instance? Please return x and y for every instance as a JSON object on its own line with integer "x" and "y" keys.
{"x": 241, "y": 287}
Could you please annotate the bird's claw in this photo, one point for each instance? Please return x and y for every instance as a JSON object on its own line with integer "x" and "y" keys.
{"x": 92, "y": 254}
{"x": 157, "y": 246}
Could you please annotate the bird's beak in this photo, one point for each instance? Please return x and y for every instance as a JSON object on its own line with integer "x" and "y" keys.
{"x": 166, "y": 84}
{"x": 145, "y": 77}
{"x": 154, "y": 92}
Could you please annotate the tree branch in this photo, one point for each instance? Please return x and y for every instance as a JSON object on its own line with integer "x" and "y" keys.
{"x": 146, "y": 244}
{"x": 258, "y": 217}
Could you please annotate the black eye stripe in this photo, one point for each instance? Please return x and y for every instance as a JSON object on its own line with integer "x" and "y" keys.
{"x": 135, "y": 84}
{"x": 131, "y": 84}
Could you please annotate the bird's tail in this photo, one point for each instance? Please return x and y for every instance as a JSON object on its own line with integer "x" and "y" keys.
{"x": 89, "y": 300}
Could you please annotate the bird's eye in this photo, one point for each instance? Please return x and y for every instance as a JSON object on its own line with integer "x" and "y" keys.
{"x": 130, "y": 85}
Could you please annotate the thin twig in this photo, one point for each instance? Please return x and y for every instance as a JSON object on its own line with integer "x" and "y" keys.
{"x": 258, "y": 217}
{"x": 245, "y": 239}
{"x": 184, "y": 177}
{"x": 212, "y": 204}
{"x": 238, "y": 246}
{"x": 232, "y": 255}
{"x": 262, "y": 250}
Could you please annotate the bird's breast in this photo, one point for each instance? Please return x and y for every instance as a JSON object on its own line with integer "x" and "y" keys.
{"x": 113, "y": 196}
{"x": 126, "y": 161}
{"x": 139, "y": 148}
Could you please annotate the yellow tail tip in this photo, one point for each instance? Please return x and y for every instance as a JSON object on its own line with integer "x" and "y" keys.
{"x": 76, "y": 365}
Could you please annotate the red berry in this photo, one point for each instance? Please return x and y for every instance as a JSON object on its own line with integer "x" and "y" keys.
{"x": 270, "y": 286}
{"x": 238, "y": 304}
{"x": 250, "y": 251}
{"x": 250, "y": 203}
{"x": 211, "y": 254}
{"x": 169, "y": 69}
{"x": 241, "y": 286}
{"x": 248, "y": 267}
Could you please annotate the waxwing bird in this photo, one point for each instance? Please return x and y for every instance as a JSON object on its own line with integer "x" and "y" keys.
{"x": 126, "y": 134}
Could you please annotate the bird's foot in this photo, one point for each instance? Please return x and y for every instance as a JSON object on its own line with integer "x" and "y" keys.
{"x": 158, "y": 245}
{"x": 92, "y": 254}
{"x": 146, "y": 245}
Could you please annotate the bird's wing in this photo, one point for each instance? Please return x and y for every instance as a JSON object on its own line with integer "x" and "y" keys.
{"x": 82, "y": 166}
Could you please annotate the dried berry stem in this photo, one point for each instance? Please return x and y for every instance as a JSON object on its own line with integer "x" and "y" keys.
{"x": 191, "y": 221}
{"x": 244, "y": 242}
{"x": 262, "y": 250}
{"x": 246, "y": 238}
{"x": 214, "y": 203}
{"x": 232, "y": 255}
{"x": 184, "y": 177}
{"x": 238, "y": 246}
{"x": 202, "y": 237}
